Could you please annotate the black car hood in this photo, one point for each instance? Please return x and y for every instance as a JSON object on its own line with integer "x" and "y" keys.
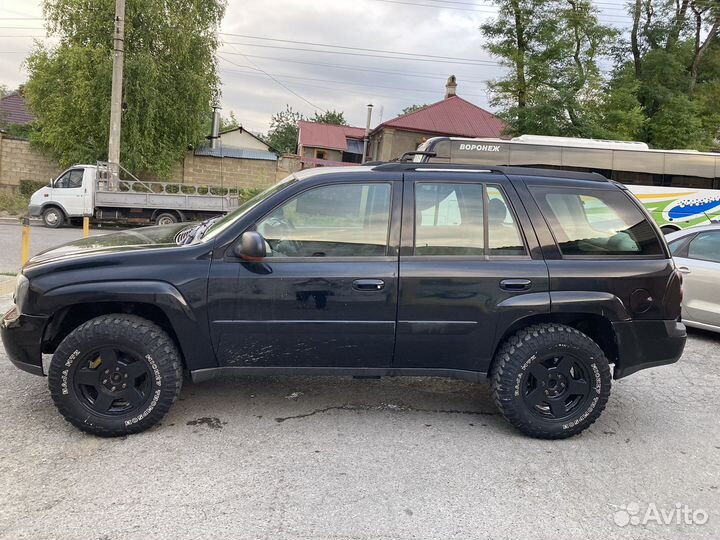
{"x": 129, "y": 240}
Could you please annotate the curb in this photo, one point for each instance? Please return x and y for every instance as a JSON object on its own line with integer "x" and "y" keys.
{"x": 7, "y": 285}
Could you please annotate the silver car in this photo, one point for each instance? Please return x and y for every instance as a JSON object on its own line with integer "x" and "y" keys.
{"x": 697, "y": 255}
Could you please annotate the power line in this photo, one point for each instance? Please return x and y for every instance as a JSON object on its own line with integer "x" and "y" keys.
{"x": 435, "y": 76}
{"x": 353, "y": 84}
{"x": 248, "y": 36}
{"x": 277, "y": 81}
{"x": 474, "y": 63}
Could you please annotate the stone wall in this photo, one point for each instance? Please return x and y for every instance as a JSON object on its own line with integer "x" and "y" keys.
{"x": 390, "y": 143}
{"x": 18, "y": 161}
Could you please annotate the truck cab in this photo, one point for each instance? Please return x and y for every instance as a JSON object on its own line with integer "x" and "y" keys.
{"x": 65, "y": 197}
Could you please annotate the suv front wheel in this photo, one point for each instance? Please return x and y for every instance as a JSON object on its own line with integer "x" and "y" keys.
{"x": 115, "y": 375}
{"x": 550, "y": 381}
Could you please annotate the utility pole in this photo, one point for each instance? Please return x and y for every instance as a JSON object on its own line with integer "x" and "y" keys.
{"x": 367, "y": 133}
{"x": 117, "y": 92}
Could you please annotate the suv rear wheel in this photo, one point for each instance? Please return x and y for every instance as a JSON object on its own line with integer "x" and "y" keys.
{"x": 115, "y": 375}
{"x": 550, "y": 381}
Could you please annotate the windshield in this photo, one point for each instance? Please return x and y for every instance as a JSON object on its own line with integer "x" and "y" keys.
{"x": 226, "y": 221}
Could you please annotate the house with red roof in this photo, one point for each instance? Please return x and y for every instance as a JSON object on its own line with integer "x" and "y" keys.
{"x": 451, "y": 117}
{"x": 329, "y": 145}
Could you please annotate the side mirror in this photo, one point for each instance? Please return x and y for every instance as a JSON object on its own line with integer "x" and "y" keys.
{"x": 251, "y": 246}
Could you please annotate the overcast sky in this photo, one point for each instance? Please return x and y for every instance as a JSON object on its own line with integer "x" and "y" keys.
{"x": 316, "y": 80}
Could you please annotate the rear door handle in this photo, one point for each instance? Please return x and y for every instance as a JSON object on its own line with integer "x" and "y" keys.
{"x": 515, "y": 284}
{"x": 368, "y": 284}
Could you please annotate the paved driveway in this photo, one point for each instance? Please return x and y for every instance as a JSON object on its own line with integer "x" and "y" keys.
{"x": 337, "y": 458}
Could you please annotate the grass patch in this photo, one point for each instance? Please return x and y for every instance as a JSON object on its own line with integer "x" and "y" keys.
{"x": 15, "y": 204}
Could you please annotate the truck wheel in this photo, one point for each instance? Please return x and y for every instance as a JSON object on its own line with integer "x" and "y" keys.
{"x": 115, "y": 375}
{"x": 53, "y": 217}
{"x": 166, "y": 218}
{"x": 550, "y": 381}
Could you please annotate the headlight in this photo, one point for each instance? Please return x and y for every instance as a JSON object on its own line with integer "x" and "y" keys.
{"x": 22, "y": 285}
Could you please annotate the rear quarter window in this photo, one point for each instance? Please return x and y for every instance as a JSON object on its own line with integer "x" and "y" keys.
{"x": 596, "y": 223}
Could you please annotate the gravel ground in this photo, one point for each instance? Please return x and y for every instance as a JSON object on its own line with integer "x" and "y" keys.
{"x": 337, "y": 458}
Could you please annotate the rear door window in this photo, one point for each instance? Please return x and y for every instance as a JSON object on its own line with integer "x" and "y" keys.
{"x": 464, "y": 219}
{"x": 588, "y": 222}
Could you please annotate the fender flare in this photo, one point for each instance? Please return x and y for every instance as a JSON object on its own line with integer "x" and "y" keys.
{"x": 44, "y": 205}
{"x": 605, "y": 304}
{"x": 193, "y": 341}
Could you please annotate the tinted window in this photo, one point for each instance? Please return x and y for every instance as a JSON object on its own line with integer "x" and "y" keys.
{"x": 330, "y": 221}
{"x": 705, "y": 246}
{"x": 450, "y": 219}
{"x": 596, "y": 222}
{"x": 503, "y": 234}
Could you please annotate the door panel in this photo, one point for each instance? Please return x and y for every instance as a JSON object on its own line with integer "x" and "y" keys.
{"x": 464, "y": 266}
{"x": 291, "y": 313}
{"x": 701, "y": 294}
{"x": 326, "y": 294}
{"x": 449, "y": 310}
{"x": 68, "y": 190}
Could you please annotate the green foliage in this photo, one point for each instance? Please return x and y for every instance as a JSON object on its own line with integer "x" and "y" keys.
{"x": 170, "y": 79}
{"x": 551, "y": 49}
{"x": 28, "y": 187}
{"x": 663, "y": 88}
{"x": 330, "y": 117}
{"x": 283, "y": 133}
{"x": 413, "y": 108}
{"x": 677, "y": 124}
{"x": 13, "y": 202}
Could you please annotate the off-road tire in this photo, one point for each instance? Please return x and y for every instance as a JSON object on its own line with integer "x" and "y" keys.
{"x": 521, "y": 352}
{"x": 148, "y": 344}
{"x": 53, "y": 217}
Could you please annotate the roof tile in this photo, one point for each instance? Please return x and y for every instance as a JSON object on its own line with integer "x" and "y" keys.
{"x": 330, "y": 136}
{"x": 14, "y": 111}
{"x": 451, "y": 116}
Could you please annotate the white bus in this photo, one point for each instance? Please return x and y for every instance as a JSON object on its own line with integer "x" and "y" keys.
{"x": 680, "y": 188}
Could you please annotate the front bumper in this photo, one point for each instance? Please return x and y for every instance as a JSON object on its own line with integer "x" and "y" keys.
{"x": 646, "y": 344}
{"x": 35, "y": 210}
{"x": 22, "y": 336}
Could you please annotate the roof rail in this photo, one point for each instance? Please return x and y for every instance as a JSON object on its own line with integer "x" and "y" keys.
{"x": 515, "y": 171}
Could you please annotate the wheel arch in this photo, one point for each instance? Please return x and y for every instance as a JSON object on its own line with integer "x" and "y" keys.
{"x": 595, "y": 326}
{"x": 54, "y": 204}
{"x": 180, "y": 215}
{"x": 158, "y": 302}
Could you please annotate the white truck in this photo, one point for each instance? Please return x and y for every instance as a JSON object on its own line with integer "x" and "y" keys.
{"x": 86, "y": 190}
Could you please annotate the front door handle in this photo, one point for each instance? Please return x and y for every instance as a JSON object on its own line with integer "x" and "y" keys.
{"x": 368, "y": 284}
{"x": 515, "y": 284}
{"x": 684, "y": 270}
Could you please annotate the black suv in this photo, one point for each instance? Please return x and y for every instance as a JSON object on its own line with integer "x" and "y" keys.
{"x": 534, "y": 279}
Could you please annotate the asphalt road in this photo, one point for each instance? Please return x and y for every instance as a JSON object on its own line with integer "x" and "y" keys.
{"x": 41, "y": 238}
{"x": 344, "y": 459}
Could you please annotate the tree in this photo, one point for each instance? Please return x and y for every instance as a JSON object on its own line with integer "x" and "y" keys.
{"x": 675, "y": 70}
{"x": 413, "y": 108}
{"x": 330, "y": 117}
{"x": 550, "y": 48}
{"x": 283, "y": 133}
{"x": 170, "y": 79}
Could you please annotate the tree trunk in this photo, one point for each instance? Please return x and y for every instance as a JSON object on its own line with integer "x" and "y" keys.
{"x": 521, "y": 41}
{"x": 677, "y": 23}
{"x": 634, "y": 37}
{"x": 699, "y": 53}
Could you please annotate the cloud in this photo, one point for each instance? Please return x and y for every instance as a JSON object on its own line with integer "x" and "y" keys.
{"x": 345, "y": 82}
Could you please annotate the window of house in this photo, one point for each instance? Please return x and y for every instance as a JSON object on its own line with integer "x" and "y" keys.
{"x": 320, "y": 154}
{"x": 340, "y": 220}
